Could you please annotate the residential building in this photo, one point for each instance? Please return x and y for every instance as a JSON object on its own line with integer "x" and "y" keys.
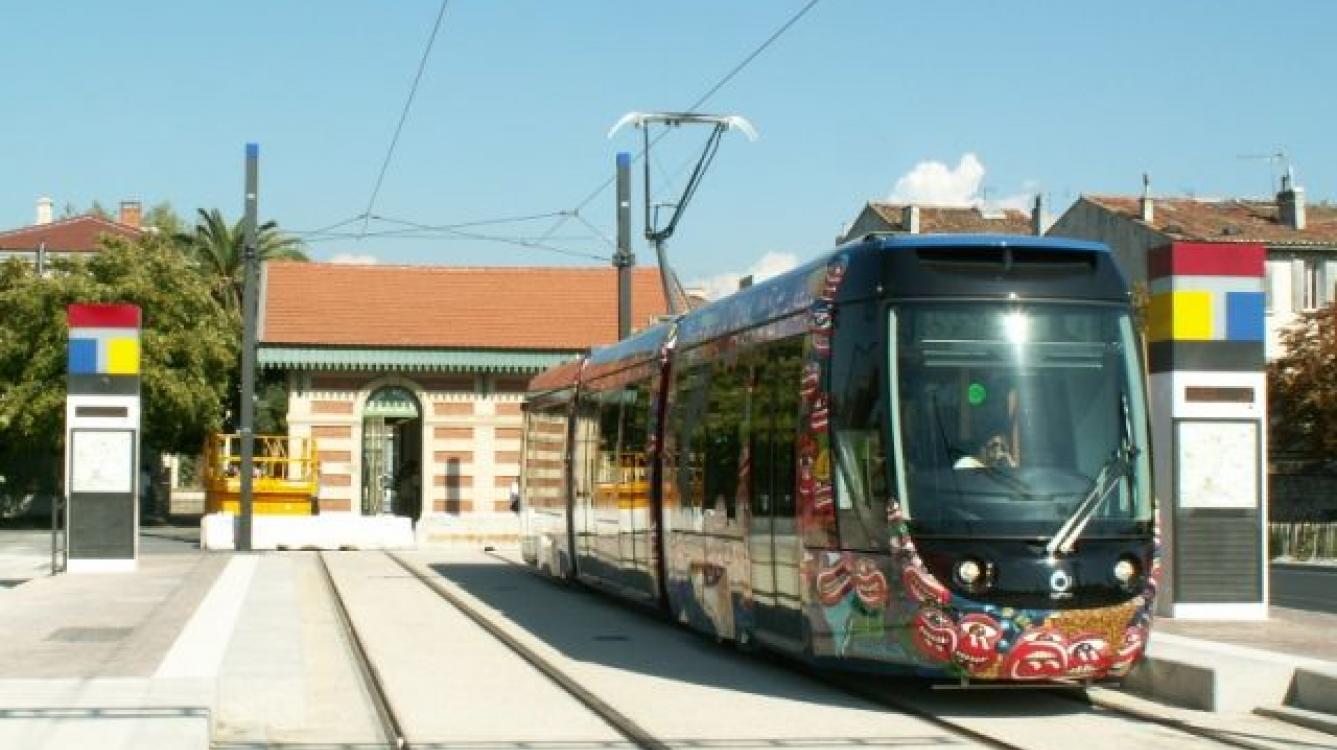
{"x": 914, "y": 218}
{"x": 411, "y": 378}
{"x": 73, "y": 237}
{"x": 1300, "y": 241}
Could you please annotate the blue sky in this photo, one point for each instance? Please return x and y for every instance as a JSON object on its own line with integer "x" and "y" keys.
{"x": 155, "y": 101}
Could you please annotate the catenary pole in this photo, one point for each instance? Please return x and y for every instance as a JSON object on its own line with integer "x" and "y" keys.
{"x": 624, "y": 260}
{"x": 248, "y": 312}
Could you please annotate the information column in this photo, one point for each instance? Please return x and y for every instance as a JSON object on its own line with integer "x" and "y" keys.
{"x": 102, "y": 423}
{"x": 1209, "y": 423}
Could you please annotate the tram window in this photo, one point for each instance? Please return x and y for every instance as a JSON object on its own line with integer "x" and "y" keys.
{"x": 858, "y": 407}
{"x": 726, "y": 423}
{"x": 635, "y": 421}
{"x": 545, "y": 444}
{"x": 1057, "y": 387}
{"x": 586, "y": 449}
{"x": 762, "y": 431}
{"x": 784, "y": 362}
{"x": 609, "y": 428}
{"x": 689, "y": 433}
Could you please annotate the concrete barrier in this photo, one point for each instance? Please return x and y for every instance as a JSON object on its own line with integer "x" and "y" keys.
{"x": 1314, "y": 690}
{"x": 1209, "y": 676}
{"x": 331, "y": 531}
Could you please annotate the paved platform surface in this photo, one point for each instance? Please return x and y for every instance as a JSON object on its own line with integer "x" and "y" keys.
{"x": 1295, "y": 632}
{"x": 79, "y": 653}
{"x": 245, "y": 651}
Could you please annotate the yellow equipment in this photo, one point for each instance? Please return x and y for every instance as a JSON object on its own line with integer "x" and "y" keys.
{"x": 285, "y": 478}
{"x": 629, "y": 487}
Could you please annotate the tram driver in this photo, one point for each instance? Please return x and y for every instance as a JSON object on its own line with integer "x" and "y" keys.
{"x": 1000, "y": 448}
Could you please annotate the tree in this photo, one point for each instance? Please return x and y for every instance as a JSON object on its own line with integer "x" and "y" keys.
{"x": 189, "y": 347}
{"x": 163, "y": 219}
{"x": 218, "y": 249}
{"x": 1302, "y": 386}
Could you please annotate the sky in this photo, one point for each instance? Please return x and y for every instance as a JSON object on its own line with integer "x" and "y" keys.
{"x": 945, "y": 102}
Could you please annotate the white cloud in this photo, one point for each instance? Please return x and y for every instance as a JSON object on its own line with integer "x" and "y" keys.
{"x": 934, "y": 183}
{"x": 355, "y": 260}
{"x": 770, "y": 264}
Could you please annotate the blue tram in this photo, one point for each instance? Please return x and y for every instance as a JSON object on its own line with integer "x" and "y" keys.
{"x": 928, "y": 452}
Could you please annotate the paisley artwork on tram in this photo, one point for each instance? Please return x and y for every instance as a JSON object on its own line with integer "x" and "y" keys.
{"x": 893, "y": 609}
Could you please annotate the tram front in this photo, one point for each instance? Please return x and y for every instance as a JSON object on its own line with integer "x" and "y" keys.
{"x": 1020, "y": 524}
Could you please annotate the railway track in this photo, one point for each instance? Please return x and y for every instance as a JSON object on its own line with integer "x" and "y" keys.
{"x": 960, "y": 714}
{"x": 393, "y": 727}
{"x": 389, "y": 722}
{"x": 1103, "y": 713}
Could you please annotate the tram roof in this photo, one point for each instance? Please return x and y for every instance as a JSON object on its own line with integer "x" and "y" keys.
{"x": 887, "y": 265}
{"x": 646, "y": 343}
{"x": 902, "y": 241}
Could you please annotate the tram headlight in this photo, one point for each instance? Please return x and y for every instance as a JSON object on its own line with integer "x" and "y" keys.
{"x": 971, "y": 574}
{"x": 1125, "y": 571}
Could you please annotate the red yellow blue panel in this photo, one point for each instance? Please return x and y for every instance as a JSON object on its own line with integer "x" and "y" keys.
{"x": 104, "y": 339}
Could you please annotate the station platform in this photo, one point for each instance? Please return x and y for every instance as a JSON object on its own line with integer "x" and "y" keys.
{"x": 214, "y": 649}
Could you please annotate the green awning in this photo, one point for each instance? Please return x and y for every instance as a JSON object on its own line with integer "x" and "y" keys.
{"x": 408, "y": 360}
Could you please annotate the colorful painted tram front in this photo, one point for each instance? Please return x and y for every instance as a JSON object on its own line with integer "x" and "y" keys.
{"x": 925, "y": 452}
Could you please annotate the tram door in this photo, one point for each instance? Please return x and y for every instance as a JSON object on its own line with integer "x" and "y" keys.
{"x": 773, "y": 543}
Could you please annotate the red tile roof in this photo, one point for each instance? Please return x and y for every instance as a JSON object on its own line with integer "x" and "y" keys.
{"x": 74, "y": 235}
{"x": 552, "y": 308}
{"x": 1226, "y": 220}
{"x": 956, "y": 219}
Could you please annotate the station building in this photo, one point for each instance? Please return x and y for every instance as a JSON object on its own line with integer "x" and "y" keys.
{"x": 411, "y": 378}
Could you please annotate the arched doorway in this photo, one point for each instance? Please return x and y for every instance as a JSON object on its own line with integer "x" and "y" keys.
{"x": 391, "y": 451}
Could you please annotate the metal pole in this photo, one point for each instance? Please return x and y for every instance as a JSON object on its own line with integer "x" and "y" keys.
{"x": 666, "y": 277}
{"x": 653, "y": 234}
{"x": 248, "y": 348}
{"x": 55, "y": 525}
{"x": 624, "y": 259}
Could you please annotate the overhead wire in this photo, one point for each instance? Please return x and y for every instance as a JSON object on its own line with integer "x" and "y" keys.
{"x": 562, "y": 217}
{"x": 539, "y": 244}
{"x": 328, "y": 228}
{"x": 403, "y": 115}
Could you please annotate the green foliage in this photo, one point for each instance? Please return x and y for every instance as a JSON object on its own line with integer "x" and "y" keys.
{"x": 218, "y": 249}
{"x": 164, "y": 219}
{"x": 1302, "y": 386}
{"x": 189, "y": 348}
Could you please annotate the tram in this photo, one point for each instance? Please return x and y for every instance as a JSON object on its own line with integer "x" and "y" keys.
{"x": 922, "y": 453}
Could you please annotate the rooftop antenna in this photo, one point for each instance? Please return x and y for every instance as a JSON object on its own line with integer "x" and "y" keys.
{"x": 1280, "y": 163}
{"x": 674, "y": 294}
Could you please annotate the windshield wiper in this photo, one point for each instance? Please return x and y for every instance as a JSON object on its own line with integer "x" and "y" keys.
{"x": 1117, "y": 467}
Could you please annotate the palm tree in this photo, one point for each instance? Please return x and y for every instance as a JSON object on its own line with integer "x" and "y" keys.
{"x": 219, "y": 251}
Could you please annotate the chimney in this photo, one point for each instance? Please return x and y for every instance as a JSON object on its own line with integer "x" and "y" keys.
{"x": 910, "y": 219}
{"x": 1291, "y": 203}
{"x": 130, "y": 214}
{"x": 1148, "y": 208}
{"x": 1038, "y": 216}
{"x": 44, "y": 210}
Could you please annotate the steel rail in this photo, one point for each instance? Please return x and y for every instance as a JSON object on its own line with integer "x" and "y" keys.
{"x": 390, "y": 725}
{"x": 614, "y": 718}
{"x": 1206, "y": 733}
{"x": 835, "y": 682}
{"x": 790, "y": 665}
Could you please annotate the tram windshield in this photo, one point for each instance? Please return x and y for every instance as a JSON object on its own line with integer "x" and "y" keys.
{"x": 1019, "y": 420}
